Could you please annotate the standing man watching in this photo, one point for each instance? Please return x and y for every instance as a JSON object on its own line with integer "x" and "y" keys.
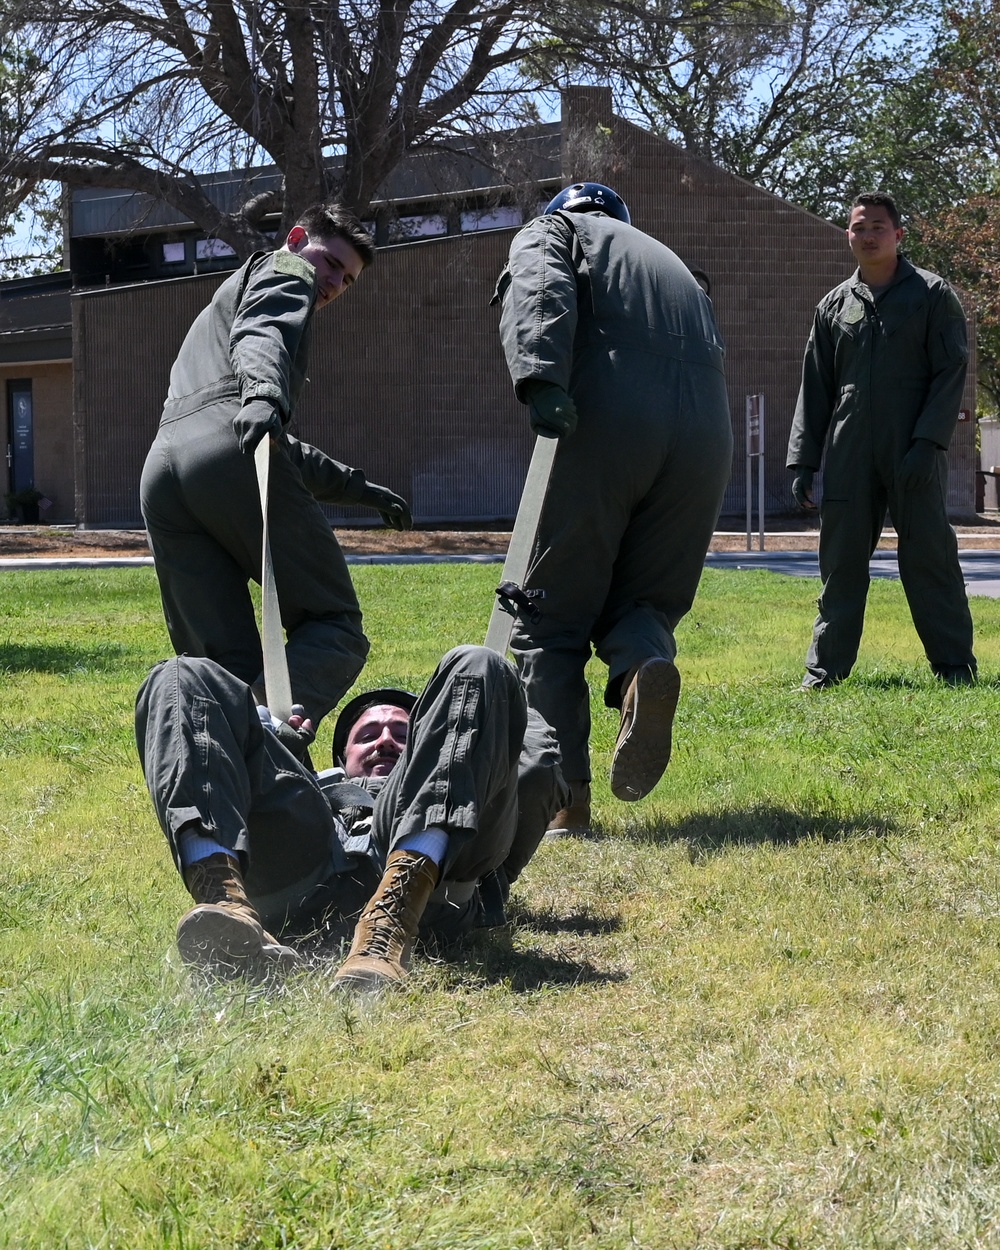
{"x": 882, "y": 383}
{"x": 236, "y": 381}
{"x": 613, "y": 345}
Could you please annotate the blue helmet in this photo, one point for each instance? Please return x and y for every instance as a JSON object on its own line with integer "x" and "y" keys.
{"x": 590, "y": 197}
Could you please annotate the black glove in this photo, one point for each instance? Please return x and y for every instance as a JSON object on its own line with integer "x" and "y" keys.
{"x": 919, "y": 464}
{"x": 802, "y": 484}
{"x": 392, "y": 508}
{"x": 254, "y": 421}
{"x": 553, "y": 413}
{"x": 299, "y": 740}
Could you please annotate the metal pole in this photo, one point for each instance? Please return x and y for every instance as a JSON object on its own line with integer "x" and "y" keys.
{"x": 749, "y": 443}
{"x": 760, "y": 468}
{"x": 755, "y": 451}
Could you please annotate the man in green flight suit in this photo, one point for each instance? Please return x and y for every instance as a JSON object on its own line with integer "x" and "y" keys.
{"x": 236, "y": 380}
{"x": 613, "y": 345}
{"x": 882, "y": 383}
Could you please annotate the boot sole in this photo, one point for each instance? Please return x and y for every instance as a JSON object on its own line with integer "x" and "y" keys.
{"x": 212, "y": 939}
{"x": 578, "y": 829}
{"x": 570, "y": 823}
{"x": 645, "y": 739}
{"x": 364, "y": 980}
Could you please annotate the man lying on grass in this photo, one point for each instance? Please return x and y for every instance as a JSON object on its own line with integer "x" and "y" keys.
{"x": 428, "y": 797}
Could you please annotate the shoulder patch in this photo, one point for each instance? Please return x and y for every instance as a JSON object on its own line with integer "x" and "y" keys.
{"x": 852, "y": 311}
{"x": 288, "y": 262}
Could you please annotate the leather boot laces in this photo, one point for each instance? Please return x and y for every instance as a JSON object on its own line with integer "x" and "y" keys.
{"x": 388, "y": 914}
{"x": 208, "y": 881}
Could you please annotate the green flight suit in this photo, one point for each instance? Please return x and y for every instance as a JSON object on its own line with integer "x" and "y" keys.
{"x": 617, "y": 320}
{"x": 878, "y": 374}
{"x": 201, "y": 504}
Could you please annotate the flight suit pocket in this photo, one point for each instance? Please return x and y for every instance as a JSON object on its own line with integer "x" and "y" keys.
{"x": 910, "y": 316}
{"x": 843, "y": 410}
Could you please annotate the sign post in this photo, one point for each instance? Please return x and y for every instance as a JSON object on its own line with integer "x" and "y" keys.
{"x": 755, "y": 451}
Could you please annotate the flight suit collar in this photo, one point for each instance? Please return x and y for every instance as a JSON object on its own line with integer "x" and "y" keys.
{"x": 904, "y": 270}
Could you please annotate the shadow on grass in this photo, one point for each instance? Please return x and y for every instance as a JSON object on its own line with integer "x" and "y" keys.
{"x": 708, "y": 833}
{"x": 878, "y": 681}
{"x": 488, "y": 956}
{"x": 548, "y": 921}
{"x": 17, "y": 658}
{"x": 923, "y": 680}
{"x": 490, "y": 959}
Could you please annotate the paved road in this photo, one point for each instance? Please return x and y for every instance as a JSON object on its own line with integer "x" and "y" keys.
{"x": 981, "y": 568}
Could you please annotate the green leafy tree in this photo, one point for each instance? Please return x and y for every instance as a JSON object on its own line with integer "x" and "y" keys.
{"x": 972, "y": 67}
{"x": 960, "y": 236}
{"x": 963, "y": 242}
{"x": 811, "y": 99}
{"x": 677, "y": 65}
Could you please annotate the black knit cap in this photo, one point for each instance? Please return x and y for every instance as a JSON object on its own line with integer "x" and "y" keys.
{"x": 351, "y": 712}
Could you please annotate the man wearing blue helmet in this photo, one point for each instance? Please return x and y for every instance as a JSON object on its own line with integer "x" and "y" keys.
{"x": 612, "y": 344}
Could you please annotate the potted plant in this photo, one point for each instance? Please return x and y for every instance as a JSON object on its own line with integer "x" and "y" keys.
{"x": 23, "y": 504}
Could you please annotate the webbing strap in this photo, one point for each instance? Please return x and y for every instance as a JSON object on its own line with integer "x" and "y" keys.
{"x": 522, "y": 539}
{"x": 277, "y": 686}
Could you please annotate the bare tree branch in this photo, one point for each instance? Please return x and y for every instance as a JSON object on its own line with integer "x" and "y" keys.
{"x": 149, "y": 95}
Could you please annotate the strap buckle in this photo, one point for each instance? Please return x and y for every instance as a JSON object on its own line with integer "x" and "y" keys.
{"x": 515, "y": 601}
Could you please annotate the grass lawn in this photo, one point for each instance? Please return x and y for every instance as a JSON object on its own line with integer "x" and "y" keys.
{"x": 762, "y": 1011}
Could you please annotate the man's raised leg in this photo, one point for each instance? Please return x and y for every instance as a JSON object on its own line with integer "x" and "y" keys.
{"x": 447, "y": 813}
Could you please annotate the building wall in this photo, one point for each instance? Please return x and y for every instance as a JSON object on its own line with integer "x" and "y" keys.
{"x": 124, "y": 342}
{"x": 407, "y": 379}
{"x": 769, "y": 264}
{"x": 52, "y": 428}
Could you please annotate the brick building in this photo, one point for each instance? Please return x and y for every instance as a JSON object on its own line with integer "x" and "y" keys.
{"x": 407, "y": 379}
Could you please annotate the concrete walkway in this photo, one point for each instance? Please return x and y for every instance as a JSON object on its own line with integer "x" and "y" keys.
{"x": 981, "y": 568}
{"x": 27, "y": 563}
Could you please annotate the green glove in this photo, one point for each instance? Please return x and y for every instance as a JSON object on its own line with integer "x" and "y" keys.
{"x": 393, "y": 508}
{"x": 254, "y": 421}
{"x": 919, "y": 465}
{"x": 802, "y": 485}
{"x": 553, "y": 413}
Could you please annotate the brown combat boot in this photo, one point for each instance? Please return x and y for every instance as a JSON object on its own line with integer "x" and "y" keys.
{"x": 222, "y": 934}
{"x": 642, "y": 751}
{"x": 386, "y": 929}
{"x": 572, "y": 821}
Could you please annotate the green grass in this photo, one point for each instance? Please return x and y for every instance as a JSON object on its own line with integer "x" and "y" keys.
{"x": 762, "y": 1011}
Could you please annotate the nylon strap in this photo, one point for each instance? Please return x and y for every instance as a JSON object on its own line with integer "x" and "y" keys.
{"x": 277, "y": 686}
{"x": 522, "y": 539}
